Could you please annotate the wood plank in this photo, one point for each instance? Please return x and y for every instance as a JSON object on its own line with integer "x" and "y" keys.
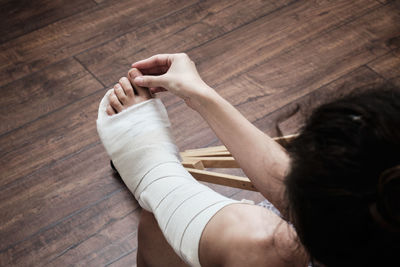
{"x": 54, "y": 193}
{"x": 118, "y": 238}
{"x": 215, "y": 162}
{"x": 328, "y": 58}
{"x": 222, "y": 179}
{"x": 22, "y": 17}
{"x": 45, "y": 141}
{"x": 188, "y": 28}
{"x": 229, "y": 48}
{"x": 388, "y": 66}
{"x": 192, "y": 163}
{"x": 126, "y": 260}
{"x": 36, "y": 95}
{"x": 57, "y": 240}
{"x": 277, "y": 33}
{"x": 356, "y": 81}
{"x": 207, "y": 149}
{"x": 269, "y": 86}
{"x": 62, "y": 39}
{"x": 205, "y": 154}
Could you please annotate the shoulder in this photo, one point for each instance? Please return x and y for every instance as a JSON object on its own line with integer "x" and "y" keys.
{"x": 248, "y": 235}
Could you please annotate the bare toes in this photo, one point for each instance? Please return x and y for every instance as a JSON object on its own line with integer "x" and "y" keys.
{"x": 114, "y": 102}
{"x": 120, "y": 93}
{"x": 110, "y": 111}
{"x": 142, "y": 92}
{"x": 127, "y": 87}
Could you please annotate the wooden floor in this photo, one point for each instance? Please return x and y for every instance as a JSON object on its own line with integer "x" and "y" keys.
{"x": 60, "y": 203}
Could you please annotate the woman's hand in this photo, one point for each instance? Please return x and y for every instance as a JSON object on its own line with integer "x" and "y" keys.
{"x": 173, "y": 72}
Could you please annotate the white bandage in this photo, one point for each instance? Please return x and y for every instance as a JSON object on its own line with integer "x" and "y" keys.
{"x": 140, "y": 144}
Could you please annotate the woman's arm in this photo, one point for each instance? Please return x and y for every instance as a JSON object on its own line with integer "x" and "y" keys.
{"x": 262, "y": 159}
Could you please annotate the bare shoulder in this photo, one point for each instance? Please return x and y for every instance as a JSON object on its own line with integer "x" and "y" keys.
{"x": 248, "y": 235}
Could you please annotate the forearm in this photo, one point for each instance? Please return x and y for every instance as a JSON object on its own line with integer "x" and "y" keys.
{"x": 262, "y": 159}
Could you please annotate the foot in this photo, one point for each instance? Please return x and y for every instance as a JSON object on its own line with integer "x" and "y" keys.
{"x": 126, "y": 93}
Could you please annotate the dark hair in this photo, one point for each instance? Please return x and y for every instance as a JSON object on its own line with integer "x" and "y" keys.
{"x": 343, "y": 187}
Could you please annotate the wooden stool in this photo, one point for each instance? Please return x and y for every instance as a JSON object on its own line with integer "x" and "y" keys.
{"x": 197, "y": 160}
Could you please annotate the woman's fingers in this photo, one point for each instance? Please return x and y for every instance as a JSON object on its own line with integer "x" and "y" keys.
{"x": 137, "y": 79}
{"x": 154, "y": 61}
{"x": 157, "y": 70}
{"x": 173, "y": 72}
{"x": 141, "y": 91}
{"x": 150, "y": 81}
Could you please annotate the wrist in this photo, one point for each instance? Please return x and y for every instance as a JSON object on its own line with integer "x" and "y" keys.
{"x": 203, "y": 99}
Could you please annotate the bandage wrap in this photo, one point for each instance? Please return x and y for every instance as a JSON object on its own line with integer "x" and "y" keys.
{"x": 140, "y": 144}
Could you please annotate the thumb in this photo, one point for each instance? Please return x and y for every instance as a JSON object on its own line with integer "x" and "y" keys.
{"x": 150, "y": 81}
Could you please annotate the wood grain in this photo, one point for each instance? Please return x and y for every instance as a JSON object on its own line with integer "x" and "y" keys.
{"x": 271, "y": 35}
{"x": 36, "y": 50}
{"x": 288, "y": 76}
{"x": 128, "y": 259}
{"x": 52, "y": 138}
{"x": 53, "y": 193}
{"x": 359, "y": 80}
{"x": 388, "y": 66}
{"x": 188, "y": 28}
{"x": 54, "y": 241}
{"x": 106, "y": 245}
{"x": 36, "y": 95}
{"x": 222, "y": 179}
{"x": 217, "y": 162}
{"x": 356, "y": 42}
{"x": 25, "y": 16}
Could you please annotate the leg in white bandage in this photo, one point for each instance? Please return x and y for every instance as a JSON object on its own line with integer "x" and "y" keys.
{"x": 140, "y": 144}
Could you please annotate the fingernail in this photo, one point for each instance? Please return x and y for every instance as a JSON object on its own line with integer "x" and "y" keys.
{"x": 131, "y": 73}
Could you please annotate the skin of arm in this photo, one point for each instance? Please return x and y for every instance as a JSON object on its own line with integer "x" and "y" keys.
{"x": 262, "y": 159}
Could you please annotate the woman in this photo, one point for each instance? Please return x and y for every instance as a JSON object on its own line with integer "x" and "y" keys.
{"x": 338, "y": 183}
